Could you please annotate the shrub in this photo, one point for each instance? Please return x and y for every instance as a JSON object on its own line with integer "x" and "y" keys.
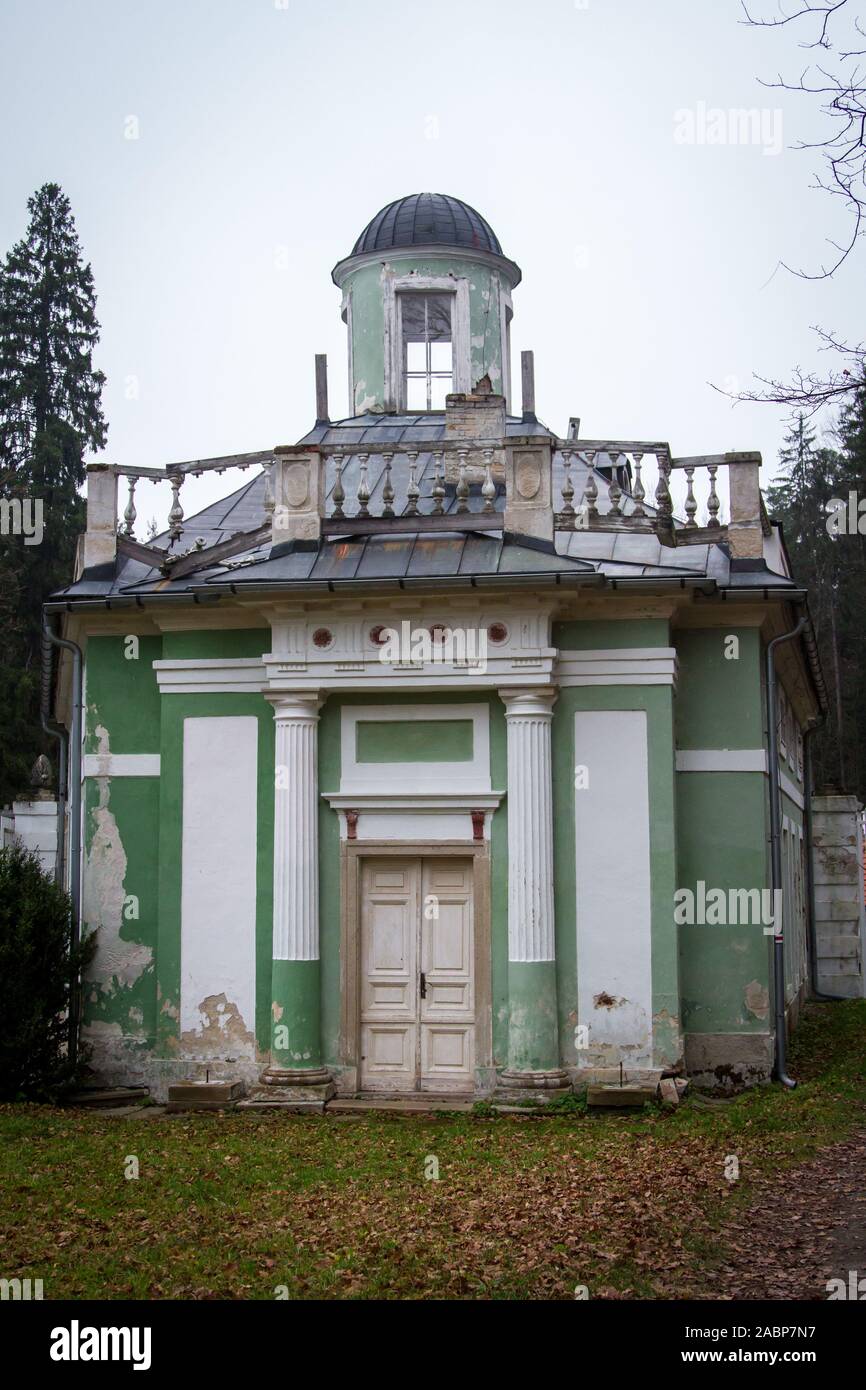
{"x": 36, "y": 967}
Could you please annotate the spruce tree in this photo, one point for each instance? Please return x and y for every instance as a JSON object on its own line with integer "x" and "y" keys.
{"x": 50, "y": 414}
{"x": 831, "y": 567}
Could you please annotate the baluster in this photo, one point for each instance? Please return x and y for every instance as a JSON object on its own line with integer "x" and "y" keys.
{"x": 437, "y": 491}
{"x": 691, "y": 504}
{"x": 388, "y": 488}
{"x": 413, "y": 491}
{"x": 614, "y": 491}
{"x": 269, "y": 502}
{"x": 462, "y": 490}
{"x": 713, "y": 500}
{"x": 567, "y": 491}
{"x": 488, "y": 487}
{"x": 175, "y": 516}
{"x": 130, "y": 514}
{"x": 637, "y": 491}
{"x": 663, "y": 496}
{"x": 338, "y": 496}
{"x": 363, "y": 487}
{"x": 590, "y": 492}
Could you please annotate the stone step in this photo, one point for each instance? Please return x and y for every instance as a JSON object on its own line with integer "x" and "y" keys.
{"x": 400, "y": 1105}
{"x": 98, "y": 1097}
{"x": 204, "y": 1095}
{"x": 515, "y": 1098}
{"x": 633, "y": 1093}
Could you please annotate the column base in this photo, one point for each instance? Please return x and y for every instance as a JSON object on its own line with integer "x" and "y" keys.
{"x": 298, "y": 1089}
{"x": 540, "y": 1086}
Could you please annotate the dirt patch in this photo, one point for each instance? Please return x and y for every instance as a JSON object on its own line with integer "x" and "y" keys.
{"x": 804, "y": 1227}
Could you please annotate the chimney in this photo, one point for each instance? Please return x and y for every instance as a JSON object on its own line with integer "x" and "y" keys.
{"x": 322, "y": 389}
{"x": 527, "y": 376}
{"x": 745, "y": 533}
{"x": 478, "y": 414}
{"x": 100, "y": 537}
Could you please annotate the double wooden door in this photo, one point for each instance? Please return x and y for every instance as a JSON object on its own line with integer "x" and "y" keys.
{"x": 417, "y": 975}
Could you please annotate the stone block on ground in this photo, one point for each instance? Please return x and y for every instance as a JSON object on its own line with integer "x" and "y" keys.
{"x": 204, "y": 1095}
{"x": 632, "y": 1094}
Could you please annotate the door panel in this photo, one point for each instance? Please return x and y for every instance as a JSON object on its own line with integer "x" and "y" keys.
{"x": 417, "y": 975}
{"x": 447, "y": 1014}
{"x": 389, "y": 974}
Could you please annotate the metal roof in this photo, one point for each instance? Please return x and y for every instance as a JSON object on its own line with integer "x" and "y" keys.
{"x": 427, "y": 219}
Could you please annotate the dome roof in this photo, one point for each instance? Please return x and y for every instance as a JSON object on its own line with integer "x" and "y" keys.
{"x": 427, "y": 219}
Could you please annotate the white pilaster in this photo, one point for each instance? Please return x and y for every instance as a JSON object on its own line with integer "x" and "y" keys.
{"x": 528, "y": 715}
{"x": 296, "y": 834}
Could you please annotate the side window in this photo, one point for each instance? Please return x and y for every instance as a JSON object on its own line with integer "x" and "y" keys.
{"x": 426, "y": 350}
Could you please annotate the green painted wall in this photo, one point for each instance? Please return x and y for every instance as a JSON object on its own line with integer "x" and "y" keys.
{"x": 121, "y": 820}
{"x": 122, "y": 695}
{"x": 120, "y": 833}
{"x": 619, "y": 632}
{"x": 368, "y": 322}
{"x": 415, "y": 741}
{"x": 718, "y": 700}
{"x": 722, "y": 830}
{"x": 202, "y": 646}
{"x": 710, "y": 826}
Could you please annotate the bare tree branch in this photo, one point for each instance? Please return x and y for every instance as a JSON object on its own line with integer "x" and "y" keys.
{"x": 838, "y": 82}
{"x": 842, "y": 95}
{"x": 810, "y": 391}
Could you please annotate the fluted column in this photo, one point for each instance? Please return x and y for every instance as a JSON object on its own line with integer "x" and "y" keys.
{"x": 533, "y": 1032}
{"x": 296, "y": 1049}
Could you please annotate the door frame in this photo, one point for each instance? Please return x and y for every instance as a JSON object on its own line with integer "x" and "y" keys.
{"x": 351, "y": 857}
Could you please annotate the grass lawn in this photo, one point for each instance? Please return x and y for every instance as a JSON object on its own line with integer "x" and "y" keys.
{"x": 237, "y": 1206}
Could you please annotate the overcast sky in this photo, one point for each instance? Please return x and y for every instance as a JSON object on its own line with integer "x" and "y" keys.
{"x": 269, "y": 132}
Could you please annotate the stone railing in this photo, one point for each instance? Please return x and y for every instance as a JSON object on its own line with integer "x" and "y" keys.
{"x": 526, "y": 484}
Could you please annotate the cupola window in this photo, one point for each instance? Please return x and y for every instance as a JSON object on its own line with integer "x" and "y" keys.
{"x": 425, "y": 328}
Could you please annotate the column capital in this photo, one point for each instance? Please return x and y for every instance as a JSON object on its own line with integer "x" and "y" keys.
{"x": 533, "y": 702}
{"x": 295, "y": 704}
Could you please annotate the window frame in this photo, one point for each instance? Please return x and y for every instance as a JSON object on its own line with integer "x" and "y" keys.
{"x": 395, "y": 287}
{"x": 430, "y": 373}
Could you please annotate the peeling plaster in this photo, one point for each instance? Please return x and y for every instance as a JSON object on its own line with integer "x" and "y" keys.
{"x": 757, "y": 999}
{"x": 220, "y": 1026}
{"x": 117, "y": 963}
{"x": 607, "y": 1001}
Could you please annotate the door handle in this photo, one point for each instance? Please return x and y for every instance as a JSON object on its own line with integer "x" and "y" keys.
{"x": 423, "y": 985}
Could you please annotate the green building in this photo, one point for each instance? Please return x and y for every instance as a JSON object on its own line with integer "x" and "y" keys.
{"x": 437, "y": 758}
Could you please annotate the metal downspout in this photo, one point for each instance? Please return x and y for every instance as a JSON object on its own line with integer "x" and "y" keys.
{"x": 818, "y": 994}
{"x": 74, "y": 769}
{"x": 776, "y": 856}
